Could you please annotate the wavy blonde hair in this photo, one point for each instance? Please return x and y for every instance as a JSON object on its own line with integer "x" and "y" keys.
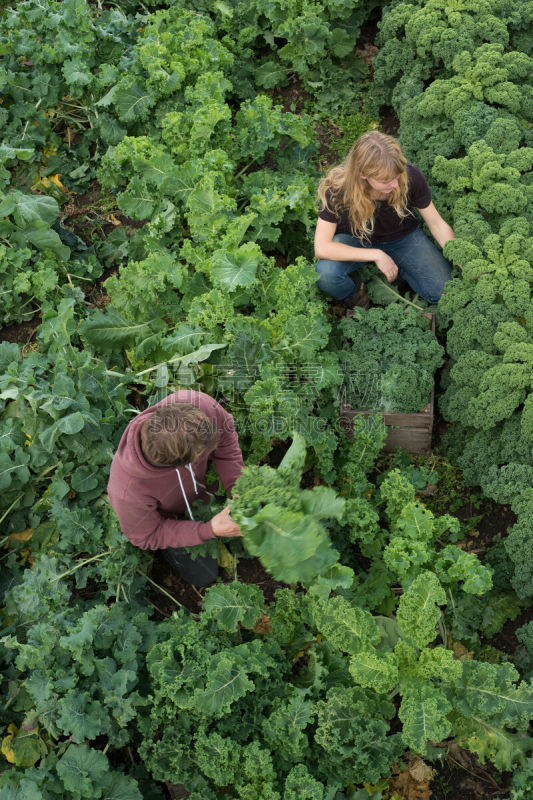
{"x": 374, "y": 155}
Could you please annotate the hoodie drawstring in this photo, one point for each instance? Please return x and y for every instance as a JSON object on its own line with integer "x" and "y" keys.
{"x": 193, "y": 476}
{"x": 184, "y": 495}
{"x": 195, "y": 484}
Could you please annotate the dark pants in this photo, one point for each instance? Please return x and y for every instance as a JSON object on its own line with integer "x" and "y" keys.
{"x": 419, "y": 262}
{"x": 199, "y": 571}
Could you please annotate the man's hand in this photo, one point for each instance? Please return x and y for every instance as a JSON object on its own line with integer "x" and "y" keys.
{"x": 223, "y": 525}
{"x": 386, "y": 265}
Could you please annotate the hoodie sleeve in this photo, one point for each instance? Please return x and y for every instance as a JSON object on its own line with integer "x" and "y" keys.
{"x": 146, "y": 528}
{"x": 227, "y": 457}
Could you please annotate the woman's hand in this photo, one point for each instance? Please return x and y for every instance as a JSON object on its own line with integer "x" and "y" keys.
{"x": 223, "y": 525}
{"x": 386, "y": 265}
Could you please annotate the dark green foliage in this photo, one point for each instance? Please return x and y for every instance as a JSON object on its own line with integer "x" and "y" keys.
{"x": 389, "y": 359}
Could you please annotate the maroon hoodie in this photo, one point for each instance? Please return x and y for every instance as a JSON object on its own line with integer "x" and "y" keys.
{"x": 146, "y": 498}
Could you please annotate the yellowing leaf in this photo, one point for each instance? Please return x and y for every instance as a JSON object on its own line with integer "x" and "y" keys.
{"x": 21, "y": 536}
{"x": 51, "y": 180}
{"x": 23, "y": 747}
{"x": 225, "y": 559}
{"x": 7, "y": 744}
{"x": 461, "y": 653}
{"x": 55, "y": 180}
{"x": 113, "y": 219}
{"x": 50, "y": 149}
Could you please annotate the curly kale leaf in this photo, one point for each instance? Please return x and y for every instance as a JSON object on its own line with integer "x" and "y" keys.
{"x": 418, "y": 609}
{"x": 423, "y": 712}
{"x": 390, "y": 357}
{"x": 234, "y": 604}
{"x": 281, "y": 524}
{"x": 343, "y": 724}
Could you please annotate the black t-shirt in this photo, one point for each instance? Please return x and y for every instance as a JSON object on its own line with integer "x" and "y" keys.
{"x": 387, "y": 224}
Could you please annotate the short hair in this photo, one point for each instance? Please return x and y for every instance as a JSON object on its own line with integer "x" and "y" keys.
{"x": 177, "y": 434}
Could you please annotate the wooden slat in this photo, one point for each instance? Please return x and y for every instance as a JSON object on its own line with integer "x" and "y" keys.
{"x": 414, "y": 440}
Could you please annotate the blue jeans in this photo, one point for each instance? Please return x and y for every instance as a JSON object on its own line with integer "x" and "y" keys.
{"x": 419, "y": 263}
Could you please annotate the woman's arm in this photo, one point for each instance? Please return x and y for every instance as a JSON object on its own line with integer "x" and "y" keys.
{"x": 326, "y": 248}
{"x": 440, "y": 229}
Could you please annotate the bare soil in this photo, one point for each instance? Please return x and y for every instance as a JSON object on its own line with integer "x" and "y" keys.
{"x": 89, "y": 215}
{"x": 249, "y": 570}
{"x": 462, "y": 777}
{"x": 21, "y": 332}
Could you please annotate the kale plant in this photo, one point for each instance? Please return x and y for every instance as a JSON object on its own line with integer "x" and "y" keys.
{"x": 389, "y": 358}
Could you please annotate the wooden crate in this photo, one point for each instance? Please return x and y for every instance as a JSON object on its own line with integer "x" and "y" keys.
{"x": 410, "y": 431}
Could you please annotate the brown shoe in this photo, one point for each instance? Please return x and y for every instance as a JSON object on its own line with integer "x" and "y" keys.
{"x": 358, "y": 298}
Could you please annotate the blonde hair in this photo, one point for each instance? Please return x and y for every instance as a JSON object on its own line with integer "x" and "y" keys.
{"x": 374, "y": 155}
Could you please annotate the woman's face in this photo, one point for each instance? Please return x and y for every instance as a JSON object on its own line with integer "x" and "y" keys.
{"x": 385, "y": 187}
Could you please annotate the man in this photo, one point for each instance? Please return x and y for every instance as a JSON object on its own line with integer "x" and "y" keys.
{"x": 157, "y": 472}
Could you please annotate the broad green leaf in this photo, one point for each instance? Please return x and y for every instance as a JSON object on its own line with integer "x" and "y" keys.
{"x": 234, "y": 603}
{"x": 71, "y": 424}
{"x": 300, "y": 783}
{"x": 30, "y": 208}
{"x": 418, "y": 609}
{"x": 237, "y": 268}
{"x": 493, "y": 692}
{"x": 22, "y": 153}
{"x": 84, "y": 479}
{"x": 332, "y": 578}
{"x": 348, "y": 628}
{"x": 120, "y": 787}
{"x": 81, "y": 769}
{"x": 186, "y": 179}
{"x": 414, "y": 522}
{"x": 44, "y": 238}
{"x": 74, "y": 73}
{"x": 291, "y": 545}
{"x": 132, "y": 103}
{"x": 308, "y": 335}
{"x": 390, "y": 632}
{"x": 81, "y": 717}
{"x": 375, "y": 670}
{"x": 270, "y": 74}
{"x": 108, "y": 331}
{"x": 161, "y": 171}
{"x": 291, "y": 533}
{"x": 323, "y": 503}
{"x": 341, "y": 42}
{"x": 292, "y": 463}
{"x": 423, "y": 713}
{"x": 226, "y": 684}
{"x": 201, "y": 354}
{"x": 137, "y": 201}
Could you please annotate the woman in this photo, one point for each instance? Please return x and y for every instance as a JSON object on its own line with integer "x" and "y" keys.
{"x": 367, "y": 213}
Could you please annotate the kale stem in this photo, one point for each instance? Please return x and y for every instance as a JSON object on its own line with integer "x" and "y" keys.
{"x": 6, "y": 512}
{"x": 163, "y": 591}
{"x": 394, "y": 692}
{"x": 442, "y": 631}
{"x": 81, "y": 564}
{"x": 246, "y": 166}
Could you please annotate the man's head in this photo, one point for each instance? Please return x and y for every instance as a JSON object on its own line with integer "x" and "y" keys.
{"x": 178, "y": 434}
